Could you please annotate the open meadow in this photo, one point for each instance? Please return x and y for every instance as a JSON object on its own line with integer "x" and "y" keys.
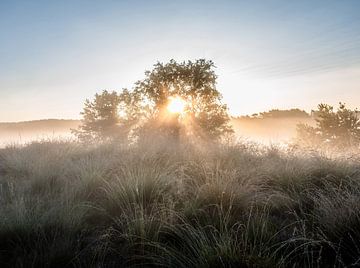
{"x": 179, "y": 134}
{"x": 165, "y": 204}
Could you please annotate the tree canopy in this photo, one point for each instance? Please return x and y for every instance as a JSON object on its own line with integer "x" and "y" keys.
{"x": 100, "y": 117}
{"x": 339, "y": 128}
{"x": 204, "y": 115}
{"x": 144, "y": 110}
{"x": 110, "y": 116}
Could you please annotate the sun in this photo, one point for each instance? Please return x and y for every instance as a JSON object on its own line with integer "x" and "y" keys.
{"x": 176, "y": 105}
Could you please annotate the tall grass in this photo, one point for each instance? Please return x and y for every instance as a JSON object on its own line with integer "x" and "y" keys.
{"x": 158, "y": 204}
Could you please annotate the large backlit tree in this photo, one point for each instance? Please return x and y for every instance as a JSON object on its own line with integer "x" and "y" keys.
{"x": 192, "y": 83}
{"x": 173, "y": 99}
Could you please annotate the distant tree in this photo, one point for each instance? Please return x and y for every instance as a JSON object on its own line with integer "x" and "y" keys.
{"x": 109, "y": 116}
{"x": 204, "y": 115}
{"x": 275, "y": 113}
{"x": 339, "y": 129}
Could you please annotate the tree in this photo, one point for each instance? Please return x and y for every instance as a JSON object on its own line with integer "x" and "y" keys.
{"x": 338, "y": 129}
{"x": 102, "y": 119}
{"x": 144, "y": 111}
{"x": 204, "y": 115}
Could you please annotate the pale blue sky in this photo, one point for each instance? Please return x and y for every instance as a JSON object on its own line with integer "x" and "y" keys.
{"x": 269, "y": 54}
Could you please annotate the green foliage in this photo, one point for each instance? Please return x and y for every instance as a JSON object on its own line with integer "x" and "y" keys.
{"x": 335, "y": 129}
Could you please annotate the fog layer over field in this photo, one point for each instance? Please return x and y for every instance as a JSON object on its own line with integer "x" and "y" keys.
{"x": 268, "y": 130}
{"x": 263, "y": 130}
{"x": 25, "y": 132}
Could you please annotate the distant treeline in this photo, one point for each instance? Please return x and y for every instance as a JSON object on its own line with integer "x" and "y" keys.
{"x": 20, "y": 132}
{"x": 39, "y": 125}
{"x": 276, "y": 113}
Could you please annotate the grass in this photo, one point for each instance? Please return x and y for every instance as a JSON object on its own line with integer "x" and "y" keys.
{"x": 64, "y": 204}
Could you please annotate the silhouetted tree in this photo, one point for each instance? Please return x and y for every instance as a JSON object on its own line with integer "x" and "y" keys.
{"x": 143, "y": 112}
{"x": 339, "y": 129}
{"x": 277, "y": 114}
{"x": 109, "y": 116}
{"x": 195, "y": 82}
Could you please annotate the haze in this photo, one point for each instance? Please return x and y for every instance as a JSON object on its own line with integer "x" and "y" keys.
{"x": 269, "y": 54}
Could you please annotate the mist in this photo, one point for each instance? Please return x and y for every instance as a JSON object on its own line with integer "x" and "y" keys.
{"x": 26, "y": 132}
{"x": 180, "y": 134}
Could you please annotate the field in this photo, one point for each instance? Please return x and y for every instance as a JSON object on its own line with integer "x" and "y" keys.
{"x": 156, "y": 204}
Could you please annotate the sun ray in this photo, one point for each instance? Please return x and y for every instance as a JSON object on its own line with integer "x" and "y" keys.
{"x": 176, "y": 105}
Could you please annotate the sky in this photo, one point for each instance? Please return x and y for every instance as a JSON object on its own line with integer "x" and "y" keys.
{"x": 268, "y": 54}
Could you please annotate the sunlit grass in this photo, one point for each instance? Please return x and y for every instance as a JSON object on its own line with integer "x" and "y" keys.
{"x": 171, "y": 205}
